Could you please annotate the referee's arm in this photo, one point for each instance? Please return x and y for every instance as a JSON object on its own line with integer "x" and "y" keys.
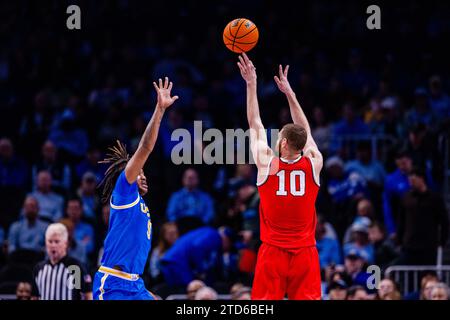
{"x": 86, "y": 284}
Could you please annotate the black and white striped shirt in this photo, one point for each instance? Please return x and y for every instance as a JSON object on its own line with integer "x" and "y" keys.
{"x": 56, "y": 282}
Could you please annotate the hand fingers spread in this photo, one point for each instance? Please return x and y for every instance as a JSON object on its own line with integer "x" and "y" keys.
{"x": 286, "y": 71}
{"x": 241, "y": 67}
{"x": 277, "y": 80}
{"x": 241, "y": 60}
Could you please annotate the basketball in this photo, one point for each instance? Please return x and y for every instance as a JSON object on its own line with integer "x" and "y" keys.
{"x": 240, "y": 35}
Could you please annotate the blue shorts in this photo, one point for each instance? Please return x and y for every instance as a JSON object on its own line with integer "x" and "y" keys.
{"x": 109, "y": 287}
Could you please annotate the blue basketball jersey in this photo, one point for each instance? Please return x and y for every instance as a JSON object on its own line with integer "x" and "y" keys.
{"x": 128, "y": 241}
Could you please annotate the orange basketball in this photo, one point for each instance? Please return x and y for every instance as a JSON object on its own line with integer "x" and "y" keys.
{"x": 240, "y": 35}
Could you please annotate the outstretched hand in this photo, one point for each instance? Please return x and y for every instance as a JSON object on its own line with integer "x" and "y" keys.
{"x": 248, "y": 70}
{"x": 282, "y": 80}
{"x": 163, "y": 91}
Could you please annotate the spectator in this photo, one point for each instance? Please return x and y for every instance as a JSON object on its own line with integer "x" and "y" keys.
{"x": 76, "y": 249}
{"x": 12, "y": 168}
{"x": 90, "y": 164}
{"x": 245, "y": 293}
{"x": 421, "y": 112}
{"x": 357, "y": 293}
{"x": 235, "y": 289}
{"x": 396, "y": 185}
{"x": 83, "y": 232}
{"x": 35, "y": 125}
{"x": 354, "y": 263}
{"x": 23, "y": 291}
{"x": 364, "y": 214}
{"x": 168, "y": 234}
{"x": 385, "y": 250}
{"x": 196, "y": 254}
{"x": 243, "y": 176}
{"x": 440, "y": 292}
{"x": 61, "y": 172}
{"x": 102, "y": 232}
{"x": 193, "y": 287}
{"x": 422, "y": 293}
{"x": 423, "y": 222}
{"x": 337, "y": 290}
{"x": 190, "y": 201}
{"x": 28, "y": 233}
{"x": 388, "y": 290}
{"x": 88, "y": 196}
{"x": 360, "y": 242}
{"x": 371, "y": 170}
{"x": 206, "y": 293}
{"x": 428, "y": 288}
{"x": 13, "y": 180}
{"x": 68, "y": 137}
{"x": 439, "y": 101}
{"x": 343, "y": 187}
{"x": 52, "y": 275}
{"x": 321, "y": 131}
{"x": 328, "y": 248}
{"x": 349, "y": 125}
{"x": 50, "y": 203}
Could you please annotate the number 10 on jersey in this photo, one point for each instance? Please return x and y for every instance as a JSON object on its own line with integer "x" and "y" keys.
{"x": 296, "y": 183}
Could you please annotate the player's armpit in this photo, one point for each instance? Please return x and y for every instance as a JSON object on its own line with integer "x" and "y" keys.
{"x": 262, "y": 156}
{"x": 316, "y": 160}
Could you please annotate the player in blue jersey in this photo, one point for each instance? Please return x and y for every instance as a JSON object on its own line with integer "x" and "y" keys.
{"x": 128, "y": 241}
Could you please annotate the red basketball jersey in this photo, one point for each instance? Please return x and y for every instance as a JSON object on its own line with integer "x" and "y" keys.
{"x": 287, "y": 205}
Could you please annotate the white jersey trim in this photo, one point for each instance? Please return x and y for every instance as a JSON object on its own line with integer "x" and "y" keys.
{"x": 267, "y": 173}
{"x": 125, "y": 206}
{"x": 315, "y": 177}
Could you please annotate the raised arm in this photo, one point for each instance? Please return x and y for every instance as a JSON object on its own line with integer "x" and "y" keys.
{"x": 258, "y": 138}
{"x": 298, "y": 116}
{"x": 148, "y": 140}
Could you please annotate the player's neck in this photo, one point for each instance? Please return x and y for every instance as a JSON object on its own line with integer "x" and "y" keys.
{"x": 290, "y": 156}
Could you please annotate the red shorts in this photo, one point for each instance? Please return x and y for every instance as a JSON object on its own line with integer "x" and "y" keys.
{"x": 280, "y": 272}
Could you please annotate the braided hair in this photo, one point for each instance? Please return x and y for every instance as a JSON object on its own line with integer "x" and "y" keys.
{"x": 118, "y": 158}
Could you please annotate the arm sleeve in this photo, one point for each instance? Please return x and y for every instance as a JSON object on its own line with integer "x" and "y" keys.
{"x": 124, "y": 193}
{"x": 86, "y": 280}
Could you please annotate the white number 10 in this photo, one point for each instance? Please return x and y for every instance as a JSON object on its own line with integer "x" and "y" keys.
{"x": 295, "y": 191}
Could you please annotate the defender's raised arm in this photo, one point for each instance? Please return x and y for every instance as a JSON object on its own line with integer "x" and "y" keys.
{"x": 148, "y": 140}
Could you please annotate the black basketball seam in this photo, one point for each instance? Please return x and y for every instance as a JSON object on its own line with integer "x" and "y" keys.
{"x": 243, "y": 20}
{"x": 225, "y": 36}
{"x": 239, "y": 48}
{"x": 247, "y": 42}
{"x": 246, "y": 33}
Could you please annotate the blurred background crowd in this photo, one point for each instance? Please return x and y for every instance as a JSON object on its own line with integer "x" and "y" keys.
{"x": 377, "y": 102}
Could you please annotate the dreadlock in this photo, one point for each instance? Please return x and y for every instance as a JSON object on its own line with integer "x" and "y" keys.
{"x": 118, "y": 158}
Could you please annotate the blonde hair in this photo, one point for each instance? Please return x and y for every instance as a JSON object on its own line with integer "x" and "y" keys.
{"x": 57, "y": 228}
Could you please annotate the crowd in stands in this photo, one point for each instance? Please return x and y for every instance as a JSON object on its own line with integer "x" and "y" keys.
{"x": 379, "y": 109}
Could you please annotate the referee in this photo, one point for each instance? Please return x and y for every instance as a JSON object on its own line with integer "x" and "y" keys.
{"x": 60, "y": 277}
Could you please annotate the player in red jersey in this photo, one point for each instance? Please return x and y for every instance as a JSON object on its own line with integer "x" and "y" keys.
{"x": 288, "y": 183}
